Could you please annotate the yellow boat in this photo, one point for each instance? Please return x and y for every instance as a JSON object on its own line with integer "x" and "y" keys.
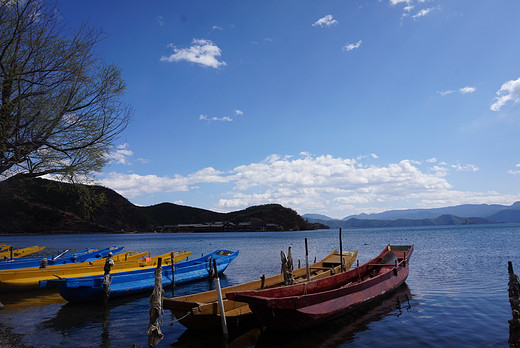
{"x": 200, "y": 311}
{"x": 20, "y": 252}
{"x": 29, "y": 278}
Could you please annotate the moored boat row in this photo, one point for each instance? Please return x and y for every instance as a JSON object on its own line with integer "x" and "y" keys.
{"x": 314, "y": 295}
{"x": 92, "y": 289}
{"x": 61, "y": 259}
{"x": 304, "y": 304}
{"x": 200, "y": 311}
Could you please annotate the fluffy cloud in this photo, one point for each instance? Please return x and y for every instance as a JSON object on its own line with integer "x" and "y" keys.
{"x": 510, "y": 91}
{"x": 310, "y": 183}
{"x": 352, "y": 46}
{"x": 422, "y": 13}
{"x": 121, "y": 155}
{"x": 326, "y": 21}
{"x": 203, "y": 52}
{"x": 467, "y": 89}
{"x": 515, "y": 171}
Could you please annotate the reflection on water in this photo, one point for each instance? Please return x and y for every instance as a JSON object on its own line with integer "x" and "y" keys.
{"x": 332, "y": 334}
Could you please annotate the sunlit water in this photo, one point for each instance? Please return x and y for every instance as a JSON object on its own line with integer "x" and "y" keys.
{"x": 456, "y": 293}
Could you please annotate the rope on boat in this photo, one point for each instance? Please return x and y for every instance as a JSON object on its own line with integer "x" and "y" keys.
{"x": 176, "y": 320}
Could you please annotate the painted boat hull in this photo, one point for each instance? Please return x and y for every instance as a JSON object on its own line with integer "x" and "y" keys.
{"x": 307, "y": 305}
{"x": 200, "y": 311}
{"x": 18, "y": 253}
{"x": 33, "y": 278}
{"x": 65, "y": 259}
{"x": 90, "y": 289}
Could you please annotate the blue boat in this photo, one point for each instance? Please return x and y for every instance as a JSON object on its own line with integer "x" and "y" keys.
{"x": 75, "y": 257}
{"x": 90, "y": 289}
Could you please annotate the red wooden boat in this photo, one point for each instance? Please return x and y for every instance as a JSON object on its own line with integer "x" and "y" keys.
{"x": 308, "y": 304}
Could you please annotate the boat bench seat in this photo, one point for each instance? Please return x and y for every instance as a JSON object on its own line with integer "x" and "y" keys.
{"x": 325, "y": 268}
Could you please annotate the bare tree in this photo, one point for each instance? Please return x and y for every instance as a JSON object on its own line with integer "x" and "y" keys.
{"x": 61, "y": 105}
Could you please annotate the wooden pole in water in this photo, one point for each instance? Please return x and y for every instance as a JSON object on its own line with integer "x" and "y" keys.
{"x": 220, "y": 300}
{"x": 173, "y": 268}
{"x": 340, "y": 251}
{"x": 514, "y": 301}
{"x": 156, "y": 307}
{"x": 307, "y": 261}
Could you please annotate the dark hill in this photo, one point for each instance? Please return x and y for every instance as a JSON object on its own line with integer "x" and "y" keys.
{"x": 29, "y": 205}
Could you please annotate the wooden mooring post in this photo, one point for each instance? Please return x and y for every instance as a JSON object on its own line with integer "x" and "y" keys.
{"x": 514, "y": 301}
{"x": 220, "y": 301}
{"x": 156, "y": 308}
{"x": 341, "y": 252}
{"x": 307, "y": 261}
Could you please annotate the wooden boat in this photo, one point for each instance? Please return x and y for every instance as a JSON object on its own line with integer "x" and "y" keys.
{"x": 63, "y": 254}
{"x": 75, "y": 257}
{"x": 90, "y": 289}
{"x": 305, "y": 305}
{"x": 200, "y": 311}
{"x": 29, "y": 278}
{"x": 16, "y": 253}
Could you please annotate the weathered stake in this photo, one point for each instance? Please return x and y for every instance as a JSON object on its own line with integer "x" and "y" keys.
{"x": 307, "y": 261}
{"x": 220, "y": 300}
{"x": 107, "y": 278}
{"x": 156, "y": 307}
{"x": 341, "y": 251}
{"x": 514, "y": 301}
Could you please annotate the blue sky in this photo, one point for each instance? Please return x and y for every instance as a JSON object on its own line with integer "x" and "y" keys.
{"x": 331, "y": 107}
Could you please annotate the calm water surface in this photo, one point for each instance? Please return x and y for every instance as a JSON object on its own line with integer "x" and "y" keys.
{"x": 456, "y": 293}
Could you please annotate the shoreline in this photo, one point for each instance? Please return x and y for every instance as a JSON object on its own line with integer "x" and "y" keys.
{"x": 9, "y": 339}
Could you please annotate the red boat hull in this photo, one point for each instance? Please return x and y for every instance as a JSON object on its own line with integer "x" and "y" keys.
{"x": 309, "y": 304}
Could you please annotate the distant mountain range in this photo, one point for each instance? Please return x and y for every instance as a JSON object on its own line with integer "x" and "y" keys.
{"x": 455, "y": 215}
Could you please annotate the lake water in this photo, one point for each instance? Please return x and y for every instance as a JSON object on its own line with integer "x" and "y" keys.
{"x": 456, "y": 293}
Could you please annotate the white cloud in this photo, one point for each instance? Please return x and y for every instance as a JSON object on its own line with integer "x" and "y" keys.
{"x": 310, "y": 183}
{"x": 216, "y": 27}
{"x": 134, "y": 185}
{"x": 236, "y": 113}
{"x": 444, "y": 93}
{"x": 203, "y": 52}
{"x": 467, "y": 89}
{"x": 463, "y": 90}
{"x": 222, "y": 119}
{"x": 326, "y": 21}
{"x": 422, "y": 13}
{"x": 465, "y": 168}
{"x": 409, "y": 5}
{"x": 397, "y": 2}
{"x": 121, "y": 155}
{"x": 510, "y": 91}
{"x": 351, "y": 46}
{"x": 516, "y": 171}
